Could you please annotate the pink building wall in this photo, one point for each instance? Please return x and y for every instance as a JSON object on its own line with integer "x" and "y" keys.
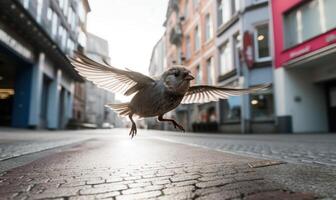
{"x": 282, "y": 55}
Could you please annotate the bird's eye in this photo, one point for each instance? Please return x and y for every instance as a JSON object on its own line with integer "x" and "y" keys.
{"x": 176, "y": 74}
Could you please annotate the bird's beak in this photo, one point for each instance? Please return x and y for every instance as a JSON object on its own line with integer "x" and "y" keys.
{"x": 189, "y": 77}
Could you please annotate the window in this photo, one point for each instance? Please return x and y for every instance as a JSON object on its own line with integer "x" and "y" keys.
{"x": 39, "y": 10}
{"x": 65, "y": 7}
{"x": 208, "y": 27}
{"x": 230, "y": 109}
{"x": 225, "y": 59}
{"x": 49, "y": 14}
{"x": 72, "y": 18}
{"x": 237, "y": 48}
{"x": 188, "y": 48}
{"x": 70, "y": 45}
{"x": 236, "y": 6}
{"x": 210, "y": 71}
{"x": 186, "y": 9}
{"x": 54, "y": 24}
{"x": 224, "y": 13}
{"x": 199, "y": 75}
{"x": 197, "y": 38}
{"x": 195, "y": 3}
{"x": 81, "y": 12}
{"x": 262, "y": 107}
{"x": 26, "y": 3}
{"x": 261, "y": 39}
{"x": 309, "y": 20}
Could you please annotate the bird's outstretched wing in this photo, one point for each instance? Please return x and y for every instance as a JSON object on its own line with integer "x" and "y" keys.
{"x": 207, "y": 93}
{"x": 110, "y": 78}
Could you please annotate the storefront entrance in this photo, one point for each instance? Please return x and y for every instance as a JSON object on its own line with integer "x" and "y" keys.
{"x": 332, "y": 107}
{"x": 15, "y": 84}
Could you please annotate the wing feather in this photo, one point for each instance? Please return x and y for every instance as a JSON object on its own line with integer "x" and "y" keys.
{"x": 108, "y": 77}
{"x": 207, "y": 93}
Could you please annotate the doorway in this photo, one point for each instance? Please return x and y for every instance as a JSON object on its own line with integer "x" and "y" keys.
{"x": 332, "y": 107}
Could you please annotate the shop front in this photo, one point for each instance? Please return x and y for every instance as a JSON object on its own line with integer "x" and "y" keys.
{"x": 16, "y": 63}
{"x": 305, "y": 59}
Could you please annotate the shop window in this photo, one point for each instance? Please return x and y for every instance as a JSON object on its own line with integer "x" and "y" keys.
{"x": 230, "y": 109}
{"x": 225, "y": 59}
{"x": 312, "y": 18}
{"x": 261, "y": 38}
{"x": 262, "y": 107}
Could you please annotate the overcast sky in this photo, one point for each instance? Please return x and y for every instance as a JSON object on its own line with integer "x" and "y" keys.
{"x": 132, "y": 27}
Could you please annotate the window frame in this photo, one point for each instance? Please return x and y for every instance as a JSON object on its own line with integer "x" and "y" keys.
{"x": 188, "y": 47}
{"x": 256, "y": 45}
{"x": 227, "y": 44}
{"x": 197, "y": 37}
{"x": 210, "y": 70}
{"x": 208, "y": 27}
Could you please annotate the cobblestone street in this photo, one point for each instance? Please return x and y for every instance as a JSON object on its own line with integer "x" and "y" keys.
{"x": 316, "y": 149}
{"x": 108, "y": 164}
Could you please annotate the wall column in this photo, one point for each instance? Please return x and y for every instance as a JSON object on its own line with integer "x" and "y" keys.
{"x": 54, "y": 101}
{"x": 36, "y": 92}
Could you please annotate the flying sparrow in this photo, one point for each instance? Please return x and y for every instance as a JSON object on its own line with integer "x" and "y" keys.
{"x": 153, "y": 96}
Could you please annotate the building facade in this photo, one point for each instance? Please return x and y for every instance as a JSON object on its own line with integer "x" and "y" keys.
{"x": 78, "y": 116}
{"x": 37, "y": 80}
{"x": 243, "y": 47}
{"x": 190, "y": 41}
{"x": 96, "y": 98}
{"x": 304, "y": 35}
{"x": 157, "y": 65}
{"x": 226, "y": 43}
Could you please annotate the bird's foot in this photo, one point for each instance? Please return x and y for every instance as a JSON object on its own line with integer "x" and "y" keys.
{"x": 176, "y": 125}
{"x": 133, "y": 131}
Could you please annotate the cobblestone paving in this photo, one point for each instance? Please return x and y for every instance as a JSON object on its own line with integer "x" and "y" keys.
{"x": 141, "y": 169}
{"x": 316, "y": 149}
{"x": 15, "y": 143}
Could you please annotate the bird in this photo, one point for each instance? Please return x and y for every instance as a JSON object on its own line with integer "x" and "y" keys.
{"x": 153, "y": 96}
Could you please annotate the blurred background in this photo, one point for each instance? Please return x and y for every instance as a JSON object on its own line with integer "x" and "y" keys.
{"x": 230, "y": 43}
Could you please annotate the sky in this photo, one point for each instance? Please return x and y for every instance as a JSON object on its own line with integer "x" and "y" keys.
{"x": 132, "y": 28}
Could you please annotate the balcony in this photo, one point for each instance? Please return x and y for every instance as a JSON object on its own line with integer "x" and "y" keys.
{"x": 175, "y": 36}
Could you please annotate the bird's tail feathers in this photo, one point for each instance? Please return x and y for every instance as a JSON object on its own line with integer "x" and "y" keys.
{"x": 122, "y": 109}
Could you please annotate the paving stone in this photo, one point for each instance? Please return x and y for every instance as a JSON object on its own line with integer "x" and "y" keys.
{"x": 281, "y": 195}
{"x": 183, "y": 189}
{"x": 214, "y": 183}
{"x": 182, "y": 183}
{"x": 220, "y": 195}
{"x": 107, "y": 188}
{"x": 142, "y": 189}
{"x": 144, "y": 195}
{"x": 141, "y": 184}
{"x": 56, "y": 193}
{"x": 184, "y": 177}
{"x": 107, "y": 195}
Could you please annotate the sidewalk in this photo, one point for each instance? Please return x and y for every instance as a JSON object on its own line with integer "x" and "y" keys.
{"x": 144, "y": 168}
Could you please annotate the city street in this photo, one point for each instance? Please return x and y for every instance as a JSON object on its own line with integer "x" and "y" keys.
{"x": 97, "y": 164}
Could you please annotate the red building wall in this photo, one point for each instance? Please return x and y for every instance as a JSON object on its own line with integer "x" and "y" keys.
{"x": 283, "y": 55}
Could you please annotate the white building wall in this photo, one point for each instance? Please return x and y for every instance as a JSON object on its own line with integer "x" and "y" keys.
{"x": 298, "y": 96}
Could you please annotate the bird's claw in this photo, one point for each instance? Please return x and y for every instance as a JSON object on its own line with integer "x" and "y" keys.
{"x": 133, "y": 131}
{"x": 176, "y": 125}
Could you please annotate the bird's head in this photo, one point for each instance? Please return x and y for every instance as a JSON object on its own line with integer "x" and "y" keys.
{"x": 177, "y": 79}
